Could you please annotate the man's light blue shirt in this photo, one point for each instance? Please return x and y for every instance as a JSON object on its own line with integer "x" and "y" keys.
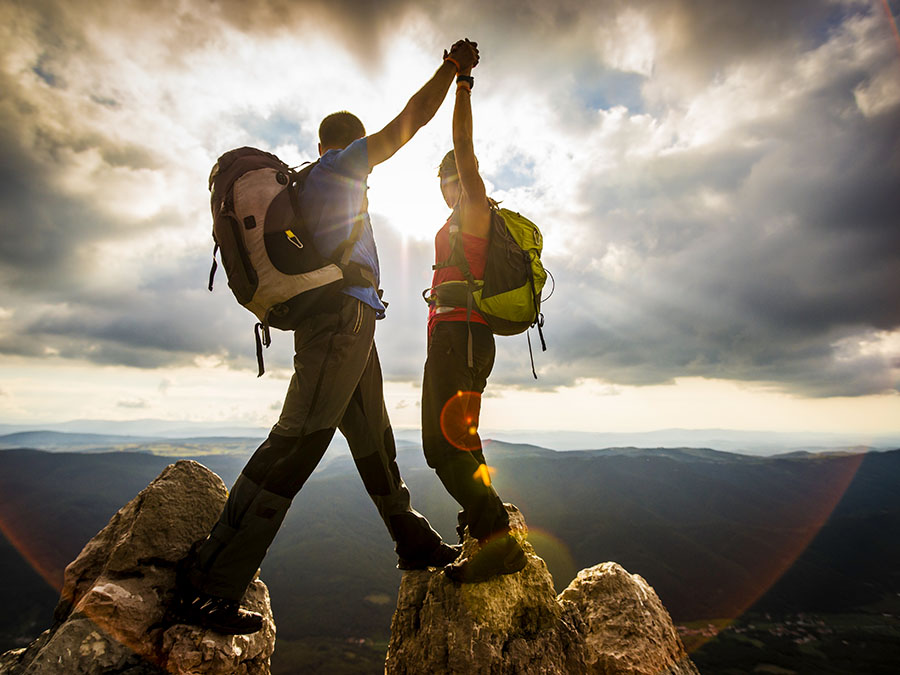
{"x": 333, "y": 198}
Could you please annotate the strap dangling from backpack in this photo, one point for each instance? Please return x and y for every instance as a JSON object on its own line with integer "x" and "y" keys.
{"x": 265, "y": 340}
{"x": 540, "y": 326}
{"x": 539, "y": 317}
{"x": 215, "y": 266}
{"x": 539, "y": 322}
{"x": 531, "y": 354}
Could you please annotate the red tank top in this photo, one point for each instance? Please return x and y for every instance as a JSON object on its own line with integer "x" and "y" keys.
{"x": 475, "y": 249}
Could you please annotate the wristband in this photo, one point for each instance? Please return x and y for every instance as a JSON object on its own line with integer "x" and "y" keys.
{"x": 468, "y": 79}
{"x": 453, "y": 61}
{"x": 464, "y": 86}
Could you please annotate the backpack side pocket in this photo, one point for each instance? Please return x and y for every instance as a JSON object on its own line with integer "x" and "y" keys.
{"x": 242, "y": 278}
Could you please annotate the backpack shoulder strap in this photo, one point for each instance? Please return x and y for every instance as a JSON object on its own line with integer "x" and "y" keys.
{"x": 298, "y": 181}
{"x": 360, "y": 274}
{"x": 457, "y": 257}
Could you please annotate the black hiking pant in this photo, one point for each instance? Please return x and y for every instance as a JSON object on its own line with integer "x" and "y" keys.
{"x": 336, "y": 383}
{"x": 451, "y": 405}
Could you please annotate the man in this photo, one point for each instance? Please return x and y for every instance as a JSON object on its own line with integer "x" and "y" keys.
{"x": 336, "y": 383}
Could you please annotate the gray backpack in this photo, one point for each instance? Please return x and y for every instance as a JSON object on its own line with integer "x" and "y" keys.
{"x": 273, "y": 268}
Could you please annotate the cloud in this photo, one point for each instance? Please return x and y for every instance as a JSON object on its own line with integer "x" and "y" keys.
{"x": 715, "y": 180}
{"x": 749, "y": 250}
{"x": 133, "y": 404}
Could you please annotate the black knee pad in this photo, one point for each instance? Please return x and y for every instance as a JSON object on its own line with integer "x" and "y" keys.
{"x": 283, "y": 463}
{"x": 272, "y": 449}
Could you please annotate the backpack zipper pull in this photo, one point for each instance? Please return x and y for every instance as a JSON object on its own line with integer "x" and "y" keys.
{"x": 293, "y": 238}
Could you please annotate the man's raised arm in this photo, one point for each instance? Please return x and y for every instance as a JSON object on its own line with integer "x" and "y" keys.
{"x": 423, "y": 105}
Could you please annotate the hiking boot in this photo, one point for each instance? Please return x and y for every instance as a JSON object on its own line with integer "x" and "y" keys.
{"x": 218, "y": 614}
{"x": 440, "y": 555}
{"x": 503, "y": 555}
{"x": 199, "y": 609}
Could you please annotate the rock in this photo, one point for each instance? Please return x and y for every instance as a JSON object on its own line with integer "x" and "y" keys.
{"x": 627, "y": 629}
{"x": 111, "y": 613}
{"x": 607, "y": 621}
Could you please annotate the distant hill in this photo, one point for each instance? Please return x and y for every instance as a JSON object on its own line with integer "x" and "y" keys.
{"x": 57, "y": 441}
{"x": 713, "y": 532}
{"x": 54, "y": 441}
{"x": 188, "y": 446}
{"x": 145, "y": 428}
{"x": 761, "y": 443}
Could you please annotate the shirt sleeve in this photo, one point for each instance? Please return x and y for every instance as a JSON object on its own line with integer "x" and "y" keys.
{"x": 353, "y": 161}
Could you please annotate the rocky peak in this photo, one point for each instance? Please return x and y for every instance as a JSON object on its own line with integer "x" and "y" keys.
{"x": 607, "y": 621}
{"x": 111, "y": 613}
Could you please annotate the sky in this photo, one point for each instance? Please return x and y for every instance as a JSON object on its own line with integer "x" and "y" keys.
{"x": 716, "y": 181}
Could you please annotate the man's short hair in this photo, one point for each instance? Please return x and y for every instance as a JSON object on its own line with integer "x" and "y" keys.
{"x": 340, "y": 129}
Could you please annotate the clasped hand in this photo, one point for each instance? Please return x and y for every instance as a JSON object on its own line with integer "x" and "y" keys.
{"x": 465, "y": 53}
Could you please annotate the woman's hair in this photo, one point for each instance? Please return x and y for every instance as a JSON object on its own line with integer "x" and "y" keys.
{"x": 448, "y": 166}
{"x": 340, "y": 129}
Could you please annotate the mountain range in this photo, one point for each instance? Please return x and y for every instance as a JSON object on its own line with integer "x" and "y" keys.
{"x": 763, "y": 443}
{"x": 715, "y": 533}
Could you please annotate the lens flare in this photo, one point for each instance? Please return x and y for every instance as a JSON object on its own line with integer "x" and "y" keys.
{"x": 803, "y": 517}
{"x": 40, "y": 560}
{"x": 483, "y": 473}
{"x": 459, "y": 420}
{"x": 556, "y": 554}
{"x": 892, "y": 22}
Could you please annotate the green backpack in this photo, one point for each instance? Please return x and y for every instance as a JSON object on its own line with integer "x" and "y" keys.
{"x": 509, "y": 297}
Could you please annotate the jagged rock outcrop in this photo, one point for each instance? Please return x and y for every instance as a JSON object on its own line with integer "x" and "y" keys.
{"x": 607, "y": 621}
{"x": 110, "y": 617}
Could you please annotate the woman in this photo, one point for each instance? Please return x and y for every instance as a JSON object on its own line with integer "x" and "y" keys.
{"x": 460, "y": 358}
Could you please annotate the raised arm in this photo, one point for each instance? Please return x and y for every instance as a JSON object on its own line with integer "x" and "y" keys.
{"x": 423, "y": 105}
{"x": 474, "y": 209}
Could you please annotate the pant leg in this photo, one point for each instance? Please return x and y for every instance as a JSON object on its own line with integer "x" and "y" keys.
{"x": 331, "y": 352}
{"x": 454, "y": 448}
{"x": 257, "y": 504}
{"x": 368, "y": 431}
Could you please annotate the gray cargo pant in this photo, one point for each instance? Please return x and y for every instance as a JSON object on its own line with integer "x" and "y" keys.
{"x": 337, "y": 383}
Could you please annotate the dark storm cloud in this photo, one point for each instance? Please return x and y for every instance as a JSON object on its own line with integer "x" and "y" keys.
{"x": 807, "y": 256}
{"x": 711, "y": 36}
{"x": 699, "y": 35}
{"x": 39, "y": 227}
{"x": 144, "y": 327}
